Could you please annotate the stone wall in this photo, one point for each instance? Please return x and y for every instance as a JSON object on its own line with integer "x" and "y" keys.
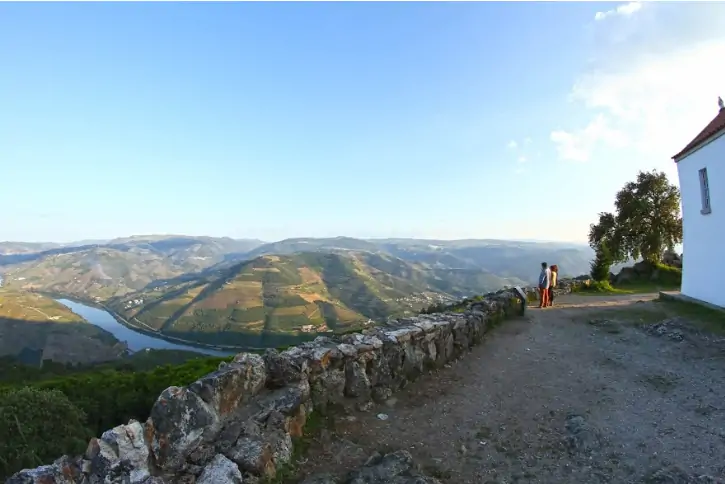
{"x": 239, "y": 423}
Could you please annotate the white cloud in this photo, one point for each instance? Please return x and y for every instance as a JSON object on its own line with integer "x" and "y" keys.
{"x": 522, "y": 159}
{"x": 624, "y": 10}
{"x": 520, "y": 170}
{"x": 513, "y": 144}
{"x": 578, "y": 145}
{"x": 651, "y": 94}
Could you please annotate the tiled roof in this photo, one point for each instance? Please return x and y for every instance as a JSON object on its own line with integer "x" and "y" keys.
{"x": 715, "y": 126}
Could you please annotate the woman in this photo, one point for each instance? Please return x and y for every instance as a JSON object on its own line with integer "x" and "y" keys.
{"x": 554, "y": 273}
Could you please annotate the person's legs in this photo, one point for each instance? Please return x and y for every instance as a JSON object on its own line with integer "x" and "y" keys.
{"x": 551, "y": 296}
{"x": 543, "y": 296}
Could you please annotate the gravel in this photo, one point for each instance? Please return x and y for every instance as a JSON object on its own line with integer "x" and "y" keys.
{"x": 584, "y": 392}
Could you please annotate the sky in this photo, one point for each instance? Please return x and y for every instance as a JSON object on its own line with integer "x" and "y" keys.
{"x": 275, "y": 120}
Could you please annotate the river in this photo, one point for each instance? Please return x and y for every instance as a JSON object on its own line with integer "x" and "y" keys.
{"x": 135, "y": 340}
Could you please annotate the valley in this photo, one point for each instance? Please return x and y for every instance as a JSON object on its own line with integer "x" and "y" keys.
{"x": 252, "y": 294}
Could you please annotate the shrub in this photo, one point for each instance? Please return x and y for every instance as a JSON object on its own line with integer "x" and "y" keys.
{"x": 110, "y": 397}
{"x": 38, "y": 426}
{"x": 601, "y": 263}
{"x": 595, "y": 286}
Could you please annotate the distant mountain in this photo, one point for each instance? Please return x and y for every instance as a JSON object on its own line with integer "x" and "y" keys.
{"x": 12, "y": 248}
{"x": 95, "y": 273}
{"x": 274, "y": 299}
{"x": 290, "y": 246}
{"x": 504, "y": 258}
{"x": 206, "y": 250}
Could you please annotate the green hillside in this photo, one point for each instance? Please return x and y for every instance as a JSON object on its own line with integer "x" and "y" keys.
{"x": 288, "y": 296}
{"x": 34, "y": 327}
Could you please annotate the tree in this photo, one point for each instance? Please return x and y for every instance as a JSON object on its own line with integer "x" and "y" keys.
{"x": 646, "y": 223}
{"x": 38, "y": 426}
{"x": 601, "y": 264}
{"x": 608, "y": 233}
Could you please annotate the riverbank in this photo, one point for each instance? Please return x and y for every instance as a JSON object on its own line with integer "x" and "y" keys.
{"x": 136, "y": 338}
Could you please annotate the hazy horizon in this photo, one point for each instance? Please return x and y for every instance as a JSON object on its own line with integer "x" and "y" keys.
{"x": 422, "y": 239}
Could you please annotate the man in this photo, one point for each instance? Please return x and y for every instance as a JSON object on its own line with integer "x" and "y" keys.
{"x": 544, "y": 281}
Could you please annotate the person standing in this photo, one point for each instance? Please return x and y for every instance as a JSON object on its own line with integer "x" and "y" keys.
{"x": 544, "y": 280}
{"x": 552, "y": 282}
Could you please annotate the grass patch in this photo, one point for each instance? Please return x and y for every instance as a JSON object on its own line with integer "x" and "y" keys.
{"x": 708, "y": 318}
{"x": 596, "y": 288}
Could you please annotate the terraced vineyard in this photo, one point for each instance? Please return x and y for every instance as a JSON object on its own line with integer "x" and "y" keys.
{"x": 285, "y": 297}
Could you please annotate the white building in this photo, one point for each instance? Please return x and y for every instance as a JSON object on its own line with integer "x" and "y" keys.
{"x": 701, "y": 169}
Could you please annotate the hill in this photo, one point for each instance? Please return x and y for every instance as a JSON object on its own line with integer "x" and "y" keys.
{"x": 35, "y": 327}
{"x": 14, "y": 248}
{"x": 200, "y": 252}
{"x": 504, "y": 258}
{"x": 95, "y": 273}
{"x": 280, "y": 298}
{"x": 118, "y": 267}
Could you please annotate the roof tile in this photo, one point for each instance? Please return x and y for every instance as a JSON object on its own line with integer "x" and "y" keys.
{"x": 715, "y": 126}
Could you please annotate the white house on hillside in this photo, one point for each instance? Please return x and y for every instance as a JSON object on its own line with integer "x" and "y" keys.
{"x": 701, "y": 169}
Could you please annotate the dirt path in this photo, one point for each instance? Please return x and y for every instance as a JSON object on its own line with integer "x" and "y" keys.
{"x": 579, "y": 393}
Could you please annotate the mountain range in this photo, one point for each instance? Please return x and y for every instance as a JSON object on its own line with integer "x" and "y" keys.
{"x": 244, "y": 292}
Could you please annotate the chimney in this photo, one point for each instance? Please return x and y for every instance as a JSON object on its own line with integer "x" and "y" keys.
{"x": 720, "y": 103}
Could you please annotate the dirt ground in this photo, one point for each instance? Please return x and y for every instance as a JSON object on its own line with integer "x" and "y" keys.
{"x": 594, "y": 390}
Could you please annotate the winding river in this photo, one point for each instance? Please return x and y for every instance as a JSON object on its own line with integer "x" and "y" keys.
{"x": 135, "y": 340}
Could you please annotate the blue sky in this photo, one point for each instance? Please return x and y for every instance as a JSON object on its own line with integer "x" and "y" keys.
{"x": 271, "y": 120}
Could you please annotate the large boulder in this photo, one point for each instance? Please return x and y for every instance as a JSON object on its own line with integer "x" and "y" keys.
{"x": 672, "y": 258}
{"x": 397, "y": 467}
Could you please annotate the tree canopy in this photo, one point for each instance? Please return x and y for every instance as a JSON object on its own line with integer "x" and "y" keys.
{"x": 647, "y": 220}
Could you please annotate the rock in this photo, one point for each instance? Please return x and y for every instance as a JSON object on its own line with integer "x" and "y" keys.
{"x": 666, "y": 329}
{"x": 327, "y": 387}
{"x": 286, "y": 401}
{"x": 357, "y": 384}
{"x": 220, "y": 471}
{"x": 627, "y": 274}
{"x": 48, "y": 474}
{"x": 281, "y": 444}
{"x": 130, "y": 446}
{"x": 102, "y": 457}
{"x": 643, "y": 268}
{"x": 287, "y": 367}
{"x": 253, "y": 455}
{"x": 226, "y": 389}
{"x": 381, "y": 394}
{"x": 582, "y": 436}
{"x": 178, "y": 423}
{"x": 365, "y": 406}
{"x": 397, "y": 468}
{"x": 672, "y": 258}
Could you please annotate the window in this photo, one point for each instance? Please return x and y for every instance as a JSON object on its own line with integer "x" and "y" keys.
{"x": 704, "y": 192}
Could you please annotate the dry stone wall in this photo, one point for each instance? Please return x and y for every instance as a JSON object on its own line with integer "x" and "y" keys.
{"x": 239, "y": 423}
